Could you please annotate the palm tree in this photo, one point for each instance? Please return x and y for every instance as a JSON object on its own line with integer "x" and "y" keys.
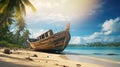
{"x": 20, "y": 28}
{"x": 25, "y": 36}
{"x": 14, "y": 9}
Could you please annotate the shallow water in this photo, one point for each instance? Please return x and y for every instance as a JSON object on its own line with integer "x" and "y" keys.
{"x": 111, "y": 53}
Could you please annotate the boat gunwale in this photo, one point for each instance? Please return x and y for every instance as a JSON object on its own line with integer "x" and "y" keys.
{"x": 47, "y": 38}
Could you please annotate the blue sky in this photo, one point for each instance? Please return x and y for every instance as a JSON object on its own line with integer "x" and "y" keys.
{"x": 94, "y": 21}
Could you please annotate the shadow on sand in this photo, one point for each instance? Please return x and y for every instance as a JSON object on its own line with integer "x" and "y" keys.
{"x": 8, "y": 64}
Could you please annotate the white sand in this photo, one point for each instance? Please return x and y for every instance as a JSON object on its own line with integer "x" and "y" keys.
{"x": 18, "y": 59}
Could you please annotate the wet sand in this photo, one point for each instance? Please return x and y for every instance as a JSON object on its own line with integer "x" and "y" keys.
{"x": 28, "y": 58}
{"x": 99, "y": 61}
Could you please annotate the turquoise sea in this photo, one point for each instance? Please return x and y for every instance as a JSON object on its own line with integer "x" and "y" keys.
{"x": 111, "y": 53}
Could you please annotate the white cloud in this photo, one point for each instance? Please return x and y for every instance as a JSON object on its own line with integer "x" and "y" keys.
{"x": 94, "y": 35}
{"x": 75, "y": 40}
{"x": 61, "y": 10}
{"x": 92, "y": 38}
{"x": 109, "y": 27}
{"x": 108, "y": 32}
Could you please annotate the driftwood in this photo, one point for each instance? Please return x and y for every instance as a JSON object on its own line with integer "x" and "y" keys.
{"x": 7, "y": 51}
{"x": 28, "y": 58}
{"x": 35, "y": 55}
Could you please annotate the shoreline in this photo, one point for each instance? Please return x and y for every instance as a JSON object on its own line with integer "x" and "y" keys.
{"x": 89, "y": 57}
{"x": 27, "y": 58}
{"x": 94, "y": 60}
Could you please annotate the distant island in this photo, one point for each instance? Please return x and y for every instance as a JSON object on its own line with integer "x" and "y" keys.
{"x": 98, "y": 44}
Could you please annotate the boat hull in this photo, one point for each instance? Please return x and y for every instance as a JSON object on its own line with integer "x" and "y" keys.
{"x": 54, "y": 43}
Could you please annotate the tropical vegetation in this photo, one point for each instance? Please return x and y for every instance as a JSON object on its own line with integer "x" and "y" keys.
{"x": 12, "y": 13}
{"x": 97, "y": 44}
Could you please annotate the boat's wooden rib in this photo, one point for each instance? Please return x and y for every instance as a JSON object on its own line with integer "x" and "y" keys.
{"x": 54, "y": 43}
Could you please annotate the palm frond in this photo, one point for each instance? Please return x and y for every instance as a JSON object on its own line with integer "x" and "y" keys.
{"x": 22, "y": 7}
{"x": 21, "y": 24}
{"x": 3, "y": 5}
{"x": 27, "y": 2}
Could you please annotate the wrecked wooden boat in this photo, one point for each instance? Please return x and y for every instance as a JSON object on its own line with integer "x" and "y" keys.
{"x": 51, "y": 42}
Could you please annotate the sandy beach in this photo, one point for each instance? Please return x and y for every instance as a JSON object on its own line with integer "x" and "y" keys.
{"x": 29, "y": 58}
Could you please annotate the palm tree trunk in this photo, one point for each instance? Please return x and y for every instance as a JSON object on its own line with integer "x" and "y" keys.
{"x": 4, "y": 18}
